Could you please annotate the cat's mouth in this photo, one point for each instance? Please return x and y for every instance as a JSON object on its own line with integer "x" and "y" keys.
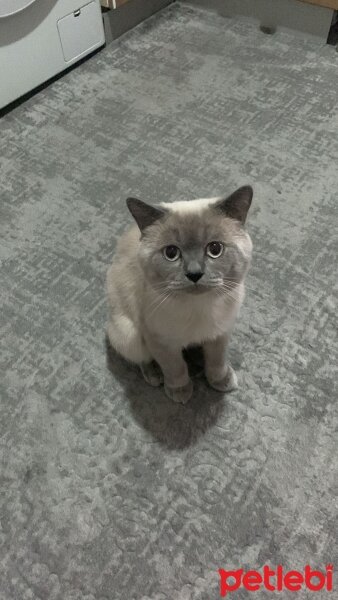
{"x": 195, "y": 288}
{"x": 198, "y": 288}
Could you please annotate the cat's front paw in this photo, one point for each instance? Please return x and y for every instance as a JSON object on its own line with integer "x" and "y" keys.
{"x": 180, "y": 394}
{"x": 152, "y": 373}
{"x": 227, "y": 383}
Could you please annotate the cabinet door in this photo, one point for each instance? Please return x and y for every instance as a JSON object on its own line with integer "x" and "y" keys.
{"x": 81, "y": 31}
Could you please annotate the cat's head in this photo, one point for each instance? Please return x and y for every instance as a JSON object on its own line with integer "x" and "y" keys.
{"x": 197, "y": 245}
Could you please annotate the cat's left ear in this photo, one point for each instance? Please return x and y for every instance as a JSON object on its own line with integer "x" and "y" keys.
{"x": 144, "y": 214}
{"x": 237, "y": 205}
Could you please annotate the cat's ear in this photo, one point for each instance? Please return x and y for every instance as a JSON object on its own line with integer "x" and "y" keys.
{"x": 237, "y": 205}
{"x": 144, "y": 214}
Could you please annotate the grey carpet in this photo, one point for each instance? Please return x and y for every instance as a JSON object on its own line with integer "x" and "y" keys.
{"x": 109, "y": 491}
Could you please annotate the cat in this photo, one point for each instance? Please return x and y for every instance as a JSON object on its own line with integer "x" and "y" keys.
{"x": 177, "y": 280}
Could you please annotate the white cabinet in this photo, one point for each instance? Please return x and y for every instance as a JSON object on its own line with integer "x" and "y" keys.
{"x": 41, "y": 38}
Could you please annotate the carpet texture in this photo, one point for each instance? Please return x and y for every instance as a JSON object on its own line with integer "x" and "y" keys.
{"x": 108, "y": 490}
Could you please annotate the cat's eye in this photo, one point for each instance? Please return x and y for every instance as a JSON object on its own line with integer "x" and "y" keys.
{"x": 214, "y": 249}
{"x": 171, "y": 253}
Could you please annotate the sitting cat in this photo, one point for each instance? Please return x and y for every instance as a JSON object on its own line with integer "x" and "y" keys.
{"x": 177, "y": 280}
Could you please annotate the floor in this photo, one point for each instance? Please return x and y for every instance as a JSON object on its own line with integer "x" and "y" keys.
{"x": 108, "y": 490}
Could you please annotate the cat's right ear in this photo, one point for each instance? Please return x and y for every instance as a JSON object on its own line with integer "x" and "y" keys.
{"x": 144, "y": 214}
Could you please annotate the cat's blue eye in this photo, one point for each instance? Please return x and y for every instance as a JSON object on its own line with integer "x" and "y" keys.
{"x": 171, "y": 253}
{"x": 214, "y": 249}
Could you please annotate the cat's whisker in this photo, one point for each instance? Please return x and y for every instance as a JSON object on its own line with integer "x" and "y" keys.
{"x": 161, "y": 286}
{"x": 156, "y": 300}
{"x": 230, "y": 292}
{"x": 247, "y": 287}
{"x": 232, "y": 282}
{"x": 162, "y": 300}
{"x": 225, "y": 294}
{"x": 224, "y": 291}
{"x": 229, "y": 287}
{"x": 160, "y": 294}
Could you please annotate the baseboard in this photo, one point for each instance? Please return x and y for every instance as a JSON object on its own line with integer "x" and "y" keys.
{"x": 293, "y": 14}
{"x": 119, "y": 20}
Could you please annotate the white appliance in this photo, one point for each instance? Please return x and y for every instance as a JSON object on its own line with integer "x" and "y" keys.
{"x": 40, "y": 38}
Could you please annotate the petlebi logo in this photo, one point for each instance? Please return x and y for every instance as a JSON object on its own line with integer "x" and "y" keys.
{"x": 276, "y": 580}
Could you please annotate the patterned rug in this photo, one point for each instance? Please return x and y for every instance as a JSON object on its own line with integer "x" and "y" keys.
{"x": 108, "y": 490}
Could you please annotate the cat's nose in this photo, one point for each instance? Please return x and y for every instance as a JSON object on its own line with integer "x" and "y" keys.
{"x": 194, "y": 275}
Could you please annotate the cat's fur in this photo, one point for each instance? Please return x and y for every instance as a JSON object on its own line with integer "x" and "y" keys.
{"x": 156, "y": 311}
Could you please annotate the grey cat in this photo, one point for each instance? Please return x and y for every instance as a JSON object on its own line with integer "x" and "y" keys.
{"x": 177, "y": 279}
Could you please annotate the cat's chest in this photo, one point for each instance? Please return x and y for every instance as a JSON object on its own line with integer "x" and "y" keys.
{"x": 194, "y": 320}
